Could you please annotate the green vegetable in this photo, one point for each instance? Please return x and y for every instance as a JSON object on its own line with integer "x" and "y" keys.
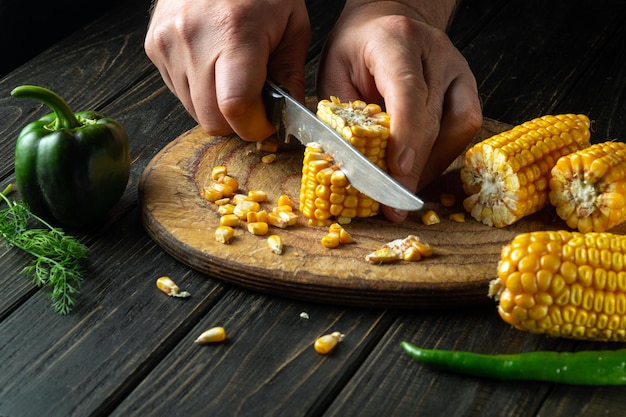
{"x": 574, "y": 368}
{"x": 70, "y": 167}
{"x": 58, "y": 257}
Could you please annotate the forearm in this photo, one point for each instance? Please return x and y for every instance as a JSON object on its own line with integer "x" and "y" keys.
{"x": 437, "y": 13}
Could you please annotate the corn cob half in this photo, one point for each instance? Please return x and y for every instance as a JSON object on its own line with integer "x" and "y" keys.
{"x": 588, "y": 187}
{"x": 325, "y": 192}
{"x": 506, "y": 177}
{"x": 565, "y": 284}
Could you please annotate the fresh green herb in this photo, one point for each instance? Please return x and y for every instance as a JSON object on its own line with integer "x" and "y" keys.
{"x": 58, "y": 257}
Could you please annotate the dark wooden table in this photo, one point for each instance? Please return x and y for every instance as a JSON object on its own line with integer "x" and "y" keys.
{"x": 127, "y": 350}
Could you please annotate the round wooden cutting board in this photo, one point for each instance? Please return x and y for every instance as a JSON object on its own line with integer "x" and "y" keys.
{"x": 181, "y": 221}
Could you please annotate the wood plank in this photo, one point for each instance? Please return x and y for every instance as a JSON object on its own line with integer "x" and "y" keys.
{"x": 266, "y": 367}
{"x": 525, "y": 66}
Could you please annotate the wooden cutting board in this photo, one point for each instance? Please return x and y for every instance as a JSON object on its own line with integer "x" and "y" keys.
{"x": 183, "y": 223}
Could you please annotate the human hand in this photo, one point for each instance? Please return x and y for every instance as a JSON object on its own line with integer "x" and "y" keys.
{"x": 216, "y": 55}
{"x": 386, "y": 52}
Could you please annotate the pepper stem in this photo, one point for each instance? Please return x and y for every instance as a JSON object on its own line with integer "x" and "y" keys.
{"x": 65, "y": 117}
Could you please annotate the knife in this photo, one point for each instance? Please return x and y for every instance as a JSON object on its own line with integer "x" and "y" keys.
{"x": 291, "y": 118}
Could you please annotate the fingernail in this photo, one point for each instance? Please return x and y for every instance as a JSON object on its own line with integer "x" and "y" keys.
{"x": 406, "y": 161}
{"x": 400, "y": 213}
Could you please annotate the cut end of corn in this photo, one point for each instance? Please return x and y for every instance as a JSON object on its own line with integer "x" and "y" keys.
{"x": 506, "y": 177}
{"x": 564, "y": 284}
{"x": 588, "y": 187}
{"x": 325, "y": 192}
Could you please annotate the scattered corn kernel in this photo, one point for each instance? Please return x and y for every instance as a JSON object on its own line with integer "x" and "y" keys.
{"x": 218, "y": 172}
{"x": 410, "y": 248}
{"x": 325, "y": 344}
{"x": 430, "y": 217}
{"x": 222, "y": 201}
{"x": 269, "y": 158}
{"x": 211, "y": 194}
{"x": 242, "y": 209}
{"x": 258, "y": 228}
{"x": 227, "y": 208}
{"x": 457, "y": 217}
{"x": 282, "y": 219}
{"x": 447, "y": 199}
{"x": 169, "y": 287}
{"x": 284, "y": 200}
{"x": 275, "y": 243}
{"x": 231, "y": 220}
{"x": 213, "y": 335}
{"x": 223, "y": 234}
{"x": 256, "y": 216}
{"x": 330, "y": 240}
{"x": 257, "y": 195}
{"x": 230, "y": 181}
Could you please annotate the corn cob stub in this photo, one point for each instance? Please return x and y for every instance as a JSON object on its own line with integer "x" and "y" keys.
{"x": 506, "y": 177}
{"x": 565, "y": 284}
{"x": 588, "y": 187}
{"x": 325, "y": 191}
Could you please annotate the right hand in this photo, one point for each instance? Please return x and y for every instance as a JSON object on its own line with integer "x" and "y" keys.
{"x": 215, "y": 57}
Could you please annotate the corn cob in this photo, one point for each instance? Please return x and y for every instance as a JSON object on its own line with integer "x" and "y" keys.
{"x": 565, "y": 284}
{"x": 588, "y": 187}
{"x": 325, "y": 192}
{"x": 506, "y": 177}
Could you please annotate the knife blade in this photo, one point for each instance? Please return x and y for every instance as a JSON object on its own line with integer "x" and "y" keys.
{"x": 291, "y": 118}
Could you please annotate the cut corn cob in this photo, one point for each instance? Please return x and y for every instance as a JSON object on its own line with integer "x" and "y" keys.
{"x": 325, "y": 191}
{"x": 588, "y": 187}
{"x": 565, "y": 284}
{"x": 506, "y": 176}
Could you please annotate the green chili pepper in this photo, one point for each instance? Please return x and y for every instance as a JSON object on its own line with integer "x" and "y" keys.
{"x": 71, "y": 167}
{"x": 574, "y": 368}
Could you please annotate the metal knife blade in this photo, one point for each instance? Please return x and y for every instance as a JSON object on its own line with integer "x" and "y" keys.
{"x": 291, "y": 118}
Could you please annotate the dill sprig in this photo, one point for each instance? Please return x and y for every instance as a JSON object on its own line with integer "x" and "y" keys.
{"x": 58, "y": 257}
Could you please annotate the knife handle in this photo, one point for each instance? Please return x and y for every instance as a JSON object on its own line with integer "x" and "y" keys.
{"x": 275, "y": 109}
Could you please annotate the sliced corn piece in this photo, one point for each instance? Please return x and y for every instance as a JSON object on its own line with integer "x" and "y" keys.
{"x": 506, "y": 176}
{"x": 258, "y": 228}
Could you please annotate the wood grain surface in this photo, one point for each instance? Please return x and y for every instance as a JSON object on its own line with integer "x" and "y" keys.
{"x": 180, "y": 220}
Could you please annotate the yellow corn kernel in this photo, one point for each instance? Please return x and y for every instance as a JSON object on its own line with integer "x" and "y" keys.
{"x": 457, "y": 217}
{"x": 411, "y": 254}
{"x": 256, "y": 216}
{"x": 258, "y": 228}
{"x": 227, "y": 208}
{"x": 257, "y": 195}
{"x": 269, "y": 158}
{"x": 225, "y": 189}
{"x": 275, "y": 244}
{"x": 231, "y": 182}
{"x": 385, "y": 254}
{"x": 325, "y": 344}
{"x": 242, "y": 209}
{"x": 506, "y": 177}
{"x": 231, "y": 220}
{"x": 344, "y": 236}
{"x": 330, "y": 240}
{"x": 169, "y": 287}
{"x": 213, "y": 335}
{"x": 218, "y": 172}
{"x": 211, "y": 194}
{"x": 284, "y": 200}
{"x": 553, "y": 282}
{"x": 223, "y": 234}
{"x": 588, "y": 187}
{"x": 447, "y": 199}
{"x": 239, "y": 198}
{"x": 282, "y": 219}
{"x": 430, "y": 217}
{"x": 222, "y": 201}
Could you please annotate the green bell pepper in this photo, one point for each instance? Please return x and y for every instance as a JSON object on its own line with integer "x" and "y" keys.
{"x": 70, "y": 167}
